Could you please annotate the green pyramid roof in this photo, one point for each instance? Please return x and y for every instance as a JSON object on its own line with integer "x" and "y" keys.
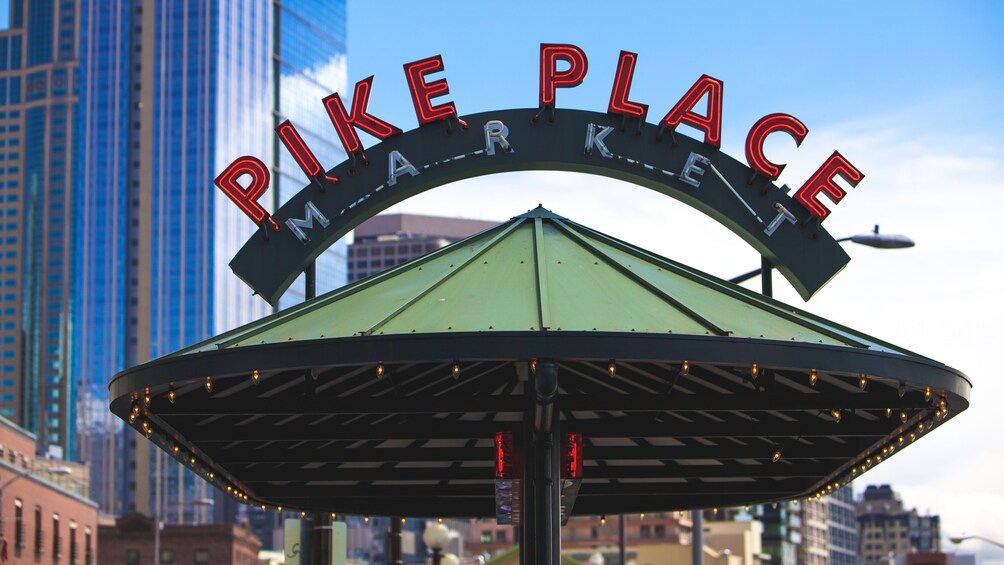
{"x": 542, "y": 272}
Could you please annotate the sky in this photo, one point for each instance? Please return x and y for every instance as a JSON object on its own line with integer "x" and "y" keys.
{"x": 909, "y": 92}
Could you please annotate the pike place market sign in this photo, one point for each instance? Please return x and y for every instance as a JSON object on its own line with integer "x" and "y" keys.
{"x": 618, "y": 143}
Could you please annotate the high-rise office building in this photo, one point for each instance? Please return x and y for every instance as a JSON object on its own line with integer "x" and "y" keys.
{"x": 38, "y": 107}
{"x": 116, "y": 115}
{"x": 886, "y": 529}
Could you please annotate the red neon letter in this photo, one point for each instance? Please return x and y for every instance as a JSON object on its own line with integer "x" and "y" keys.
{"x": 300, "y": 152}
{"x": 345, "y": 123}
{"x": 766, "y": 126}
{"x": 422, "y": 92}
{"x": 550, "y": 78}
{"x": 619, "y": 103}
{"x": 572, "y": 457}
{"x": 247, "y": 199}
{"x": 711, "y": 122}
{"x": 822, "y": 181}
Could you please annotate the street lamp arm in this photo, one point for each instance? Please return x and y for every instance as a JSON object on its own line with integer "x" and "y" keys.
{"x": 960, "y": 539}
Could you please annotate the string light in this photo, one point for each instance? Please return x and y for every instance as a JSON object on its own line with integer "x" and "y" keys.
{"x": 209, "y": 384}
{"x": 902, "y": 389}
{"x": 642, "y": 516}
{"x": 402, "y": 519}
{"x": 888, "y": 412}
{"x": 440, "y": 520}
{"x": 714, "y": 510}
{"x": 146, "y": 397}
{"x": 943, "y": 404}
{"x": 685, "y": 368}
{"x": 813, "y": 377}
{"x": 171, "y": 395}
{"x": 255, "y": 376}
{"x": 176, "y": 449}
{"x": 533, "y": 366}
{"x": 776, "y": 457}
{"x": 836, "y": 414}
{"x": 279, "y": 508}
{"x": 681, "y": 513}
{"x": 456, "y": 370}
{"x": 603, "y": 519}
{"x": 862, "y": 381}
{"x": 746, "y": 508}
{"x": 903, "y": 417}
{"x": 612, "y": 369}
{"x": 927, "y": 393}
{"x": 900, "y": 440}
{"x": 380, "y": 369}
{"x": 754, "y": 370}
{"x": 132, "y": 417}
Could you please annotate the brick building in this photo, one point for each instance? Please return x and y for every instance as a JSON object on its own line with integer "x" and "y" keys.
{"x": 131, "y": 541}
{"x": 44, "y": 517}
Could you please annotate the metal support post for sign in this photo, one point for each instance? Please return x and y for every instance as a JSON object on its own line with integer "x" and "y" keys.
{"x": 766, "y": 276}
{"x": 321, "y": 542}
{"x": 394, "y": 541}
{"x": 310, "y": 281}
{"x": 542, "y": 471}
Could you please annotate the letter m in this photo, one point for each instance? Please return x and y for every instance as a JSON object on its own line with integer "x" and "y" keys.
{"x": 310, "y": 213}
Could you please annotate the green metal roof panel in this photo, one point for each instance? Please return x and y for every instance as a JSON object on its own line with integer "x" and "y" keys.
{"x": 542, "y": 272}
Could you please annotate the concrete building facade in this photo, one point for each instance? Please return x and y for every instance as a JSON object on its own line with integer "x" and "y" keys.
{"x": 886, "y": 529}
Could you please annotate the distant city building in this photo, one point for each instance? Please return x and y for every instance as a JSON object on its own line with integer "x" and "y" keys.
{"x": 843, "y": 527}
{"x": 782, "y": 531}
{"x": 742, "y": 539}
{"x": 132, "y": 540}
{"x": 38, "y": 109}
{"x": 887, "y": 530}
{"x": 45, "y": 516}
{"x": 814, "y": 549}
{"x": 387, "y": 240}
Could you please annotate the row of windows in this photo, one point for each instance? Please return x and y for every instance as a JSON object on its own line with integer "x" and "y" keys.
{"x": 414, "y": 248}
{"x": 38, "y": 540}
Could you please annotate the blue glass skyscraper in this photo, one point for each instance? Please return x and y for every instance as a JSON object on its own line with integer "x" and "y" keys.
{"x": 115, "y": 116}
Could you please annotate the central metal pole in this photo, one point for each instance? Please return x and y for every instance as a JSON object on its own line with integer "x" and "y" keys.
{"x": 766, "y": 276}
{"x": 622, "y": 541}
{"x": 697, "y": 536}
{"x": 394, "y": 553}
{"x": 541, "y": 511}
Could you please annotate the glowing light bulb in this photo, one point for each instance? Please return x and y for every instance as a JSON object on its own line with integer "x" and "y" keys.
{"x": 902, "y": 417}
{"x": 380, "y": 370}
{"x": 440, "y": 520}
{"x": 836, "y": 415}
{"x": 746, "y": 508}
{"x": 146, "y": 397}
{"x": 149, "y": 432}
{"x": 714, "y": 510}
{"x": 612, "y": 369}
{"x": 456, "y": 370}
{"x": 603, "y": 519}
{"x": 191, "y": 461}
{"x": 209, "y": 384}
{"x": 927, "y": 393}
{"x": 171, "y": 395}
{"x": 255, "y": 377}
{"x": 913, "y": 436}
{"x": 900, "y": 440}
{"x": 176, "y": 449}
{"x": 533, "y": 365}
{"x": 642, "y": 516}
{"x": 402, "y": 519}
{"x": 943, "y": 404}
{"x": 279, "y": 508}
{"x": 888, "y": 412}
{"x": 263, "y": 507}
{"x": 813, "y": 378}
{"x": 776, "y": 457}
{"x": 685, "y": 368}
{"x": 754, "y": 370}
{"x": 862, "y": 381}
{"x": 132, "y": 417}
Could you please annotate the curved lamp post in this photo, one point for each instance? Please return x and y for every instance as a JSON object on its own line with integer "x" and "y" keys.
{"x": 436, "y": 536}
{"x": 959, "y": 539}
{"x": 873, "y": 239}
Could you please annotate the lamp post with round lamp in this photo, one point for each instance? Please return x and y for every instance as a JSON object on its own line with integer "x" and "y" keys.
{"x": 959, "y": 539}
{"x": 436, "y": 536}
{"x": 449, "y": 559}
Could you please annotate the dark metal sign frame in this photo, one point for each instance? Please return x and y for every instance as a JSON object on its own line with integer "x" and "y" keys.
{"x": 402, "y": 166}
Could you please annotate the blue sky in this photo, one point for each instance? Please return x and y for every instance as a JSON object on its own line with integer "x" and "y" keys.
{"x": 908, "y": 91}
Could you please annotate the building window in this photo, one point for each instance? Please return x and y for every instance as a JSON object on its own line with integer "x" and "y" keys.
{"x": 167, "y": 557}
{"x": 660, "y": 530}
{"x": 88, "y": 556}
{"x": 500, "y": 536}
{"x": 486, "y": 536}
{"x": 55, "y": 536}
{"x": 201, "y": 557}
{"x": 73, "y": 543}
{"x": 646, "y": 531}
{"x": 132, "y": 557}
{"x": 18, "y": 527}
{"x": 38, "y": 531}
